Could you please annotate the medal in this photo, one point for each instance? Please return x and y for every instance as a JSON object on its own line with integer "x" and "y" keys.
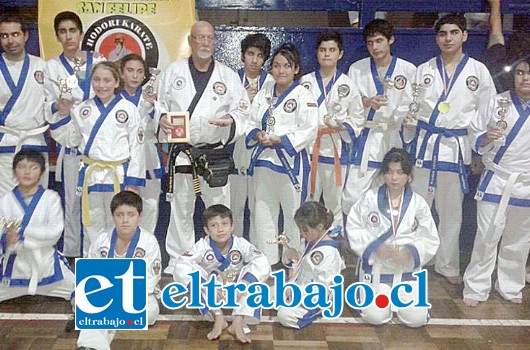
{"x": 444, "y": 107}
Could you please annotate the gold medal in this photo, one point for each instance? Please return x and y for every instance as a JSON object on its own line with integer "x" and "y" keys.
{"x": 444, "y": 107}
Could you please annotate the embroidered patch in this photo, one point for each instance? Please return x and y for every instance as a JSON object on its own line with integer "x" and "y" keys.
{"x": 157, "y": 267}
{"x": 235, "y": 257}
{"x": 373, "y": 219}
{"x": 85, "y": 112}
{"x": 39, "y": 76}
{"x": 243, "y": 105}
{"x": 307, "y": 85}
{"x": 140, "y": 136}
{"x": 415, "y": 225}
{"x": 479, "y": 195}
{"x": 472, "y": 83}
{"x": 290, "y": 106}
{"x": 427, "y": 79}
{"x": 122, "y": 116}
{"x": 311, "y": 104}
{"x": 179, "y": 83}
{"x": 103, "y": 252}
{"x": 188, "y": 253}
{"x": 209, "y": 257}
{"x": 139, "y": 253}
{"x": 219, "y": 88}
{"x": 400, "y": 81}
{"x": 419, "y": 163}
{"x": 343, "y": 90}
{"x": 317, "y": 257}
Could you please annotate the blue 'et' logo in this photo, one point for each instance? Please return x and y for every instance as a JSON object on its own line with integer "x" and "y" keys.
{"x": 111, "y": 294}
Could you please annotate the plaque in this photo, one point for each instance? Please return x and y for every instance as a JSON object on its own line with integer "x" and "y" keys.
{"x": 180, "y": 132}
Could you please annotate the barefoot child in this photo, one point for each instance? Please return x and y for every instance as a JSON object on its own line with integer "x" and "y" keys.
{"x": 232, "y": 259}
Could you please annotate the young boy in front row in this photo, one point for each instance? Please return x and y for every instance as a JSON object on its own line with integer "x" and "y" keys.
{"x": 232, "y": 259}
{"x": 31, "y": 223}
{"x": 126, "y": 240}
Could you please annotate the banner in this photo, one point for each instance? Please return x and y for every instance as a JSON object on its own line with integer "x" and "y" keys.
{"x": 155, "y": 29}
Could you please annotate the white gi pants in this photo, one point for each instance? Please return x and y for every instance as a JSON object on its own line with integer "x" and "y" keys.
{"x": 448, "y": 198}
{"x": 181, "y": 233}
{"x": 7, "y": 177}
{"x": 150, "y": 196}
{"x": 513, "y": 251}
{"x": 101, "y": 339}
{"x": 325, "y": 186}
{"x": 100, "y": 217}
{"x": 356, "y": 186}
{"x": 73, "y": 235}
{"x": 297, "y": 317}
{"x": 241, "y": 190}
{"x": 272, "y": 189}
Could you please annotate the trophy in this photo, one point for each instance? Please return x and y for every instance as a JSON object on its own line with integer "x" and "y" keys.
{"x": 282, "y": 240}
{"x": 270, "y": 120}
{"x": 66, "y": 85}
{"x": 10, "y": 224}
{"x": 388, "y": 83}
{"x": 414, "y": 106}
{"x": 504, "y": 105}
{"x": 149, "y": 89}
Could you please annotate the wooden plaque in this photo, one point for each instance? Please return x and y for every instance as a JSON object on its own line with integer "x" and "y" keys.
{"x": 181, "y": 127}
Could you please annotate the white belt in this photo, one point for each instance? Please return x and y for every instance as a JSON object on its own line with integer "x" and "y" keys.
{"x": 23, "y": 134}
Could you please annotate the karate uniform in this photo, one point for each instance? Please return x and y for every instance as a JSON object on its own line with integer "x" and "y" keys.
{"x": 441, "y": 146}
{"x": 331, "y": 151}
{"x": 33, "y": 266}
{"x": 22, "y": 122}
{"x": 111, "y": 140}
{"x": 503, "y": 202}
{"x": 149, "y": 114}
{"x": 241, "y": 184}
{"x": 369, "y": 225}
{"x": 67, "y": 167}
{"x": 224, "y": 94}
{"x": 243, "y": 263}
{"x": 281, "y": 173}
{"x": 143, "y": 245}
{"x": 320, "y": 263}
{"x": 381, "y": 127}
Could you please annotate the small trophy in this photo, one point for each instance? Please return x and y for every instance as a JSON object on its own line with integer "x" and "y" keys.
{"x": 180, "y": 133}
{"x": 282, "y": 240}
{"x": 9, "y": 225}
{"x": 270, "y": 120}
{"x": 66, "y": 85}
{"x": 504, "y": 106}
{"x": 388, "y": 83}
{"x": 149, "y": 89}
{"x": 414, "y": 106}
{"x": 228, "y": 276}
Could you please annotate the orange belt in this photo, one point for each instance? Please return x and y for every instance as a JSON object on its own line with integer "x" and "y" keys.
{"x": 314, "y": 159}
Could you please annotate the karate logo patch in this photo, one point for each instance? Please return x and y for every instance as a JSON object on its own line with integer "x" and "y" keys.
{"x": 39, "y": 77}
{"x": 219, "y": 88}
{"x": 209, "y": 257}
{"x": 307, "y": 85}
{"x": 400, "y": 82}
{"x": 317, "y": 257}
{"x": 243, "y": 105}
{"x": 157, "y": 267}
{"x": 343, "y": 90}
{"x": 140, "y": 136}
{"x": 85, "y": 112}
{"x": 179, "y": 83}
{"x": 427, "y": 79}
{"x": 139, "y": 253}
{"x": 290, "y": 106}
{"x": 235, "y": 257}
{"x": 122, "y": 116}
{"x": 373, "y": 219}
{"x": 103, "y": 252}
{"x": 472, "y": 83}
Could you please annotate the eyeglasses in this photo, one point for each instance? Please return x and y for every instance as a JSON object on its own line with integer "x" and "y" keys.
{"x": 203, "y": 38}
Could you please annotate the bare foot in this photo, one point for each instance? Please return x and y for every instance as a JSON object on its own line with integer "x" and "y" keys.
{"x": 454, "y": 279}
{"x": 470, "y": 302}
{"x": 236, "y": 329}
{"x": 219, "y": 325}
{"x": 517, "y": 300}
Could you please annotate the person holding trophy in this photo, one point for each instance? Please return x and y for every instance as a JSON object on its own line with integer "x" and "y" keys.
{"x": 136, "y": 74}
{"x": 499, "y": 132}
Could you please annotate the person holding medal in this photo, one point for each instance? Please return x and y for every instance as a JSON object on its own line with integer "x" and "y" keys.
{"x": 383, "y": 80}
{"x": 68, "y": 84}
{"x": 283, "y": 123}
{"x": 454, "y": 86}
{"x": 126, "y": 240}
{"x": 319, "y": 262}
{"x": 391, "y": 228}
{"x": 341, "y": 120}
{"x": 499, "y": 132}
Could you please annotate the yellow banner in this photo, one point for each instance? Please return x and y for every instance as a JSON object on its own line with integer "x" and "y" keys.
{"x": 155, "y": 29}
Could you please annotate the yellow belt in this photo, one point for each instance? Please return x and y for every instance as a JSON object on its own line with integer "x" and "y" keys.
{"x": 92, "y": 165}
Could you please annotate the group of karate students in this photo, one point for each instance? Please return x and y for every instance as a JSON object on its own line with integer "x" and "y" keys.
{"x": 439, "y": 112}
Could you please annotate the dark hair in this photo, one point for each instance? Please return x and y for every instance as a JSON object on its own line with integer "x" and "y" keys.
{"x": 311, "y": 214}
{"x": 378, "y": 27}
{"x": 289, "y": 51}
{"x": 398, "y": 155}
{"x": 13, "y": 18}
{"x": 135, "y": 57}
{"x": 216, "y": 210}
{"x": 115, "y": 73}
{"x": 259, "y": 41}
{"x": 31, "y": 156}
{"x": 126, "y": 198}
{"x": 453, "y": 18}
{"x": 330, "y": 36}
{"x": 67, "y": 16}
{"x": 518, "y": 48}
